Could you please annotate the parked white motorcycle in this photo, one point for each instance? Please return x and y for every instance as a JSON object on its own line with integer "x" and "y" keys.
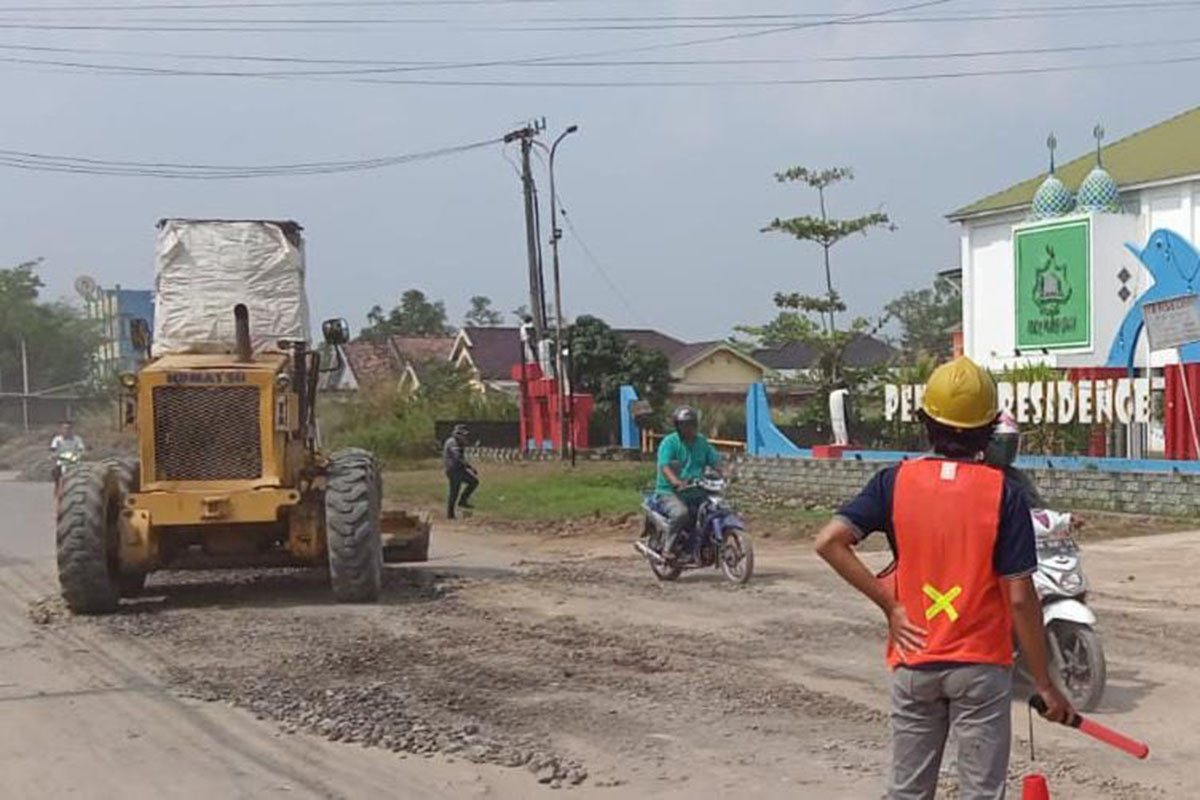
{"x": 1077, "y": 657}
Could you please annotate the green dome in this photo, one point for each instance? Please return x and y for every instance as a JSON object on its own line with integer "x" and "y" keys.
{"x": 1052, "y": 199}
{"x": 1099, "y": 192}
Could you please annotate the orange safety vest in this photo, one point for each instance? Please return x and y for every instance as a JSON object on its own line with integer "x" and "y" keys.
{"x": 946, "y": 517}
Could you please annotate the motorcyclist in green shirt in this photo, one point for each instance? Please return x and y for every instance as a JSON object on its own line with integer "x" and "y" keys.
{"x": 683, "y": 458}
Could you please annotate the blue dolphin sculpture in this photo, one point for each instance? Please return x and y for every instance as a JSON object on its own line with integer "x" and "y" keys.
{"x": 1174, "y": 264}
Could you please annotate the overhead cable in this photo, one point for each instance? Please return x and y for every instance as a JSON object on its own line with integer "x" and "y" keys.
{"x": 363, "y": 76}
{"x": 41, "y": 162}
{"x": 389, "y": 65}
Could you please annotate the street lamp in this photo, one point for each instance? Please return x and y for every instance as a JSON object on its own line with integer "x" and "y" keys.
{"x": 555, "y": 235}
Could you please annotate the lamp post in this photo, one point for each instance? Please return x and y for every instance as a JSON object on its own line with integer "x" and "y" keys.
{"x": 555, "y": 235}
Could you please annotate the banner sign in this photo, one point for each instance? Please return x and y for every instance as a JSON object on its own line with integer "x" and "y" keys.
{"x": 1172, "y": 322}
{"x": 1057, "y": 402}
{"x": 1053, "y": 277}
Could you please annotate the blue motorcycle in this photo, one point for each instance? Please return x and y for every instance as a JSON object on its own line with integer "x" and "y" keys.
{"x": 715, "y": 537}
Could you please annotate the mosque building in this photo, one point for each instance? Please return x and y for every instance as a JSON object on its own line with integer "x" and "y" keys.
{"x": 1062, "y": 270}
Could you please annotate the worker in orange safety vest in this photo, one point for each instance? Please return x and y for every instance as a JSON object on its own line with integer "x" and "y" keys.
{"x": 960, "y": 584}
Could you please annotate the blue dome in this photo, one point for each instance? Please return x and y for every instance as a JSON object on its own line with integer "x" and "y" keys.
{"x": 1052, "y": 199}
{"x": 1099, "y": 193}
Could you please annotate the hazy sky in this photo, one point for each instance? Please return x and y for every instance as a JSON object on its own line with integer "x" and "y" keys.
{"x": 668, "y": 185}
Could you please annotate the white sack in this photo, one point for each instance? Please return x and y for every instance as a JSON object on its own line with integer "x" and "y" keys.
{"x": 204, "y": 268}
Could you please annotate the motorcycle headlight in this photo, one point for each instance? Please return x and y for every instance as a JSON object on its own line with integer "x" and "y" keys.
{"x": 128, "y": 380}
{"x": 1072, "y": 582}
{"x": 283, "y": 381}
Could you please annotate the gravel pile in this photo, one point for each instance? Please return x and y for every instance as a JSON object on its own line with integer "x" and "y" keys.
{"x": 377, "y": 715}
{"x": 334, "y": 672}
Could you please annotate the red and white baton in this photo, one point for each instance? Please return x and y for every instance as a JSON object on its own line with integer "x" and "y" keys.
{"x": 1097, "y": 731}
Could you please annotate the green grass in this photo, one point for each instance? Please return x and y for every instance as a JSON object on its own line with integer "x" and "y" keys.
{"x": 531, "y": 491}
{"x": 539, "y": 492}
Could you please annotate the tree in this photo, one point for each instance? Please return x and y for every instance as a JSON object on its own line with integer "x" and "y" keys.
{"x": 482, "y": 315}
{"x": 828, "y": 370}
{"x": 822, "y": 230}
{"x": 416, "y": 315}
{"x": 603, "y": 360}
{"x": 520, "y": 313}
{"x": 787, "y": 327}
{"x": 59, "y": 342}
{"x": 925, "y": 317}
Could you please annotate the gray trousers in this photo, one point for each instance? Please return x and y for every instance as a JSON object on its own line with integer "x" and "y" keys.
{"x": 973, "y": 700}
{"x": 678, "y": 512}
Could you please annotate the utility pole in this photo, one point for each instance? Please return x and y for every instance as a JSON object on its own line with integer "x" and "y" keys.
{"x": 565, "y": 412}
{"x": 537, "y": 294}
{"x": 24, "y": 385}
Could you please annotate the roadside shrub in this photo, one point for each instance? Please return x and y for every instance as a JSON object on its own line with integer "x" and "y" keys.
{"x": 400, "y": 427}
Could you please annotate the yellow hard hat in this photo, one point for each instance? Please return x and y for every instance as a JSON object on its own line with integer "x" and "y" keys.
{"x": 961, "y": 394}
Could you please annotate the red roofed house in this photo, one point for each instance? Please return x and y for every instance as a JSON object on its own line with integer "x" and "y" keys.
{"x": 397, "y": 361}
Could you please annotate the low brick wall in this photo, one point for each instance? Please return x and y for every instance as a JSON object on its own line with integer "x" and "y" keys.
{"x": 1171, "y": 494}
{"x": 830, "y": 483}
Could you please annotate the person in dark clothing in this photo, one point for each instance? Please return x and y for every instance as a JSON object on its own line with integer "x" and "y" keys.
{"x": 1002, "y": 452}
{"x": 459, "y": 473}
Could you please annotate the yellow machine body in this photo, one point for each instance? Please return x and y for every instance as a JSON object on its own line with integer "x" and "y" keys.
{"x": 225, "y": 461}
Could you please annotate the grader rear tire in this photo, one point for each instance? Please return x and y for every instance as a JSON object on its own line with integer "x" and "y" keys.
{"x": 89, "y": 508}
{"x": 353, "y": 503}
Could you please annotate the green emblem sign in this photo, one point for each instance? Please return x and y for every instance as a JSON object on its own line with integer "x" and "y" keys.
{"x": 1054, "y": 285}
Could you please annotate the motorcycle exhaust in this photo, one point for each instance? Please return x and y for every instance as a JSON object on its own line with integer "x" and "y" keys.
{"x": 241, "y": 329}
{"x": 641, "y": 547}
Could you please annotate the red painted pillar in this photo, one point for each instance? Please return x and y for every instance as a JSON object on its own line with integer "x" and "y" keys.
{"x": 1181, "y": 443}
{"x": 581, "y": 414}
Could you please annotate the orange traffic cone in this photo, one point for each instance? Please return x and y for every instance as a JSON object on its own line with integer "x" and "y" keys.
{"x": 1035, "y": 787}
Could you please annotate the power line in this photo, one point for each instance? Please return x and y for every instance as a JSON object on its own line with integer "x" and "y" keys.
{"x": 844, "y": 19}
{"x": 598, "y": 267}
{"x": 765, "y": 23}
{"x": 608, "y": 84}
{"x": 156, "y": 169}
{"x": 641, "y": 48}
{"x": 902, "y": 78}
{"x": 386, "y": 65}
{"x": 259, "y": 5}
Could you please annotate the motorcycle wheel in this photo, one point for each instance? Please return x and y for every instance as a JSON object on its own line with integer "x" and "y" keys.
{"x": 1079, "y": 663}
{"x": 664, "y": 572}
{"x": 737, "y": 556}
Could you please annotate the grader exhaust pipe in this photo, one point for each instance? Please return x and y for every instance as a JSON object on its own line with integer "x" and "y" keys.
{"x": 241, "y": 329}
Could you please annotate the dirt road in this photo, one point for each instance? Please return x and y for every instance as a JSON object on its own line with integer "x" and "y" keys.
{"x": 86, "y": 713}
{"x": 560, "y": 656}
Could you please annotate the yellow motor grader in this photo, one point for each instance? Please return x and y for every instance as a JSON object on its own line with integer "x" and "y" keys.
{"x": 229, "y": 470}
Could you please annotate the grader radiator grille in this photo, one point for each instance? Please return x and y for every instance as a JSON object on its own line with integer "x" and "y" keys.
{"x": 208, "y": 433}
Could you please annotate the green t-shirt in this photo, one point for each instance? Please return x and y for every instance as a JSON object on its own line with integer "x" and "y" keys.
{"x": 688, "y": 461}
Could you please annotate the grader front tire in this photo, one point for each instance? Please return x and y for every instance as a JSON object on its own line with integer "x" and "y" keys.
{"x": 89, "y": 508}
{"x": 353, "y": 503}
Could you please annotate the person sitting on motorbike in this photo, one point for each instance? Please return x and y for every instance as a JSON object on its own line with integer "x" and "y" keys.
{"x": 64, "y": 446}
{"x": 683, "y": 458}
{"x": 1002, "y": 452}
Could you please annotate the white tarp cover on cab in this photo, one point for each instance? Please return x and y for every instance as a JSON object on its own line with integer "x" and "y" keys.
{"x": 203, "y": 268}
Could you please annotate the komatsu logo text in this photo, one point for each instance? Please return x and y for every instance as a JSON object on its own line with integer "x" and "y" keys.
{"x": 206, "y": 377}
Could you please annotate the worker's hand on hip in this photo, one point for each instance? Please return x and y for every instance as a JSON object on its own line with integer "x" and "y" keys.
{"x": 905, "y": 635}
{"x": 1058, "y": 707}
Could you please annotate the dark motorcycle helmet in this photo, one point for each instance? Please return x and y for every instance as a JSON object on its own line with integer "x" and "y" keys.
{"x": 685, "y": 416}
{"x": 1005, "y": 444}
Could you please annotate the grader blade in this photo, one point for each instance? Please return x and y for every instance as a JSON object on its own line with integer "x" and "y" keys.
{"x": 405, "y": 536}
